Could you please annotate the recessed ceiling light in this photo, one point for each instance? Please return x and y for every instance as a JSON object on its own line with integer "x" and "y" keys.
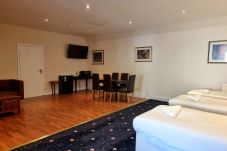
{"x": 183, "y": 11}
{"x": 46, "y": 19}
{"x": 88, "y": 7}
{"x": 130, "y": 22}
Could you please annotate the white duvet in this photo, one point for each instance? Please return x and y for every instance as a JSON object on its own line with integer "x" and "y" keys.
{"x": 209, "y": 93}
{"x": 192, "y": 130}
{"x": 208, "y": 104}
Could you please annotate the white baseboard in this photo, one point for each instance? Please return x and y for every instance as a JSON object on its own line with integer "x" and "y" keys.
{"x": 145, "y": 96}
{"x": 136, "y": 94}
{"x": 140, "y": 95}
{"x": 160, "y": 98}
{"x": 48, "y": 93}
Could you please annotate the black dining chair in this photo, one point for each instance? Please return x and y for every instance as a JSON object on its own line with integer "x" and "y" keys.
{"x": 115, "y": 76}
{"x": 96, "y": 84}
{"x": 107, "y": 86}
{"x": 129, "y": 87}
{"x": 124, "y": 76}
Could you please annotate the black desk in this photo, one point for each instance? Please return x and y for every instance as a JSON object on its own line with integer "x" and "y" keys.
{"x": 81, "y": 78}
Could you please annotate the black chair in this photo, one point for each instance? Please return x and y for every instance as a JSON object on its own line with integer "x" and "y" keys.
{"x": 124, "y": 76}
{"x": 107, "y": 86}
{"x": 129, "y": 87}
{"x": 96, "y": 84}
{"x": 115, "y": 76}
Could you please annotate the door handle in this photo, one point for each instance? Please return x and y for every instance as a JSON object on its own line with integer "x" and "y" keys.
{"x": 40, "y": 71}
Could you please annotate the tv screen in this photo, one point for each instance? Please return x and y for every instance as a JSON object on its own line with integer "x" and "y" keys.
{"x": 76, "y": 51}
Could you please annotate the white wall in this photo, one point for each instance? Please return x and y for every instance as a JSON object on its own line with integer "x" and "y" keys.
{"x": 55, "y": 61}
{"x": 179, "y": 58}
{"x": 179, "y": 61}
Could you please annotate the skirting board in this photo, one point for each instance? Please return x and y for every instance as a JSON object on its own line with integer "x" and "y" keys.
{"x": 136, "y": 94}
{"x": 145, "y": 96}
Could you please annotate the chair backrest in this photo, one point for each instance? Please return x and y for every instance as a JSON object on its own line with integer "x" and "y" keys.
{"x": 95, "y": 81}
{"x": 107, "y": 82}
{"x": 115, "y": 76}
{"x": 124, "y": 76}
{"x": 131, "y": 83}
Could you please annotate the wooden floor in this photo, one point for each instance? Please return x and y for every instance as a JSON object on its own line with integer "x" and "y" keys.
{"x": 45, "y": 115}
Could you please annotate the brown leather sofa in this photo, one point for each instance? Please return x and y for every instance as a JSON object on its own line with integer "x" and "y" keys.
{"x": 12, "y": 87}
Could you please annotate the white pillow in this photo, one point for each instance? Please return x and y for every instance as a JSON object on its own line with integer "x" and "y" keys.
{"x": 224, "y": 87}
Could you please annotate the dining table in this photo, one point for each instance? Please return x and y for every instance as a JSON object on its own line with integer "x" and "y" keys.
{"x": 117, "y": 83}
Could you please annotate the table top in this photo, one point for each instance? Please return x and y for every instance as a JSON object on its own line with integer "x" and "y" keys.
{"x": 116, "y": 81}
{"x": 120, "y": 81}
{"x": 54, "y": 81}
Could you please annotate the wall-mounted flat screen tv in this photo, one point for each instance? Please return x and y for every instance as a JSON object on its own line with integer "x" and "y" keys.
{"x": 77, "y": 51}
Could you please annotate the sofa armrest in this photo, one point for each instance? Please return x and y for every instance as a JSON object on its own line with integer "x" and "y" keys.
{"x": 18, "y": 85}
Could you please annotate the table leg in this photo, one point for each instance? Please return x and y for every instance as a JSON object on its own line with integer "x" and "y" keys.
{"x": 54, "y": 92}
{"x": 86, "y": 84}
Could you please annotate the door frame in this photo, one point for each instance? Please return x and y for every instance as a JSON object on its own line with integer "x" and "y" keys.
{"x": 42, "y": 60}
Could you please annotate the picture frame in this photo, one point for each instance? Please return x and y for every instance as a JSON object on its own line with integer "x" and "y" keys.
{"x": 98, "y": 57}
{"x": 143, "y": 54}
{"x": 217, "y": 51}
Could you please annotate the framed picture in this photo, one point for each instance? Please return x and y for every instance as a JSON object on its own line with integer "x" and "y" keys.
{"x": 98, "y": 56}
{"x": 143, "y": 54}
{"x": 217, "y": 52}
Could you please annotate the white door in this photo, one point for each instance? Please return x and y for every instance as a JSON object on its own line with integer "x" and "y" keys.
{"x": 30, "y": 69}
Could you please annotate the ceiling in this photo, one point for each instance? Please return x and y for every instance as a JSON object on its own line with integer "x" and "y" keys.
{"x": 106, "y": 16}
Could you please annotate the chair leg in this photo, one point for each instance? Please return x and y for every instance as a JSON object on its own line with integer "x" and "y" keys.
{"x": 132, "y": 96}
{"x": 93, "y": 94}
{"x": 110, "y": 96}
{"x": 116, "y": 95}
{"x": 127, "y": 97}
{"x": 99, "y": 94}
{"x": 104, "y": 96}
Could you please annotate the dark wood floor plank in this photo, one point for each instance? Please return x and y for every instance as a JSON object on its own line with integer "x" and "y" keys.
{"x": 41, "y": 116}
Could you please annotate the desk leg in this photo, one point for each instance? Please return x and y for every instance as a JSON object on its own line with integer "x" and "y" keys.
{"x": 52, "y": 88}
{"x": 86, "y": 84}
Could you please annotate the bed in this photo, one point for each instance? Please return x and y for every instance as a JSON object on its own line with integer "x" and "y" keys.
{"x": 208, "y": 104}
{"x": 191, "y": 130}
{"x": 209, "y": 93}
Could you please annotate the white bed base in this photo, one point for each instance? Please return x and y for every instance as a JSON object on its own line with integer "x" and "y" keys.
{"x": 192, "y": 130}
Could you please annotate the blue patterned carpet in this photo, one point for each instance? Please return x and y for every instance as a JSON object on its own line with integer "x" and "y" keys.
{"x": 113, "y": 132}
